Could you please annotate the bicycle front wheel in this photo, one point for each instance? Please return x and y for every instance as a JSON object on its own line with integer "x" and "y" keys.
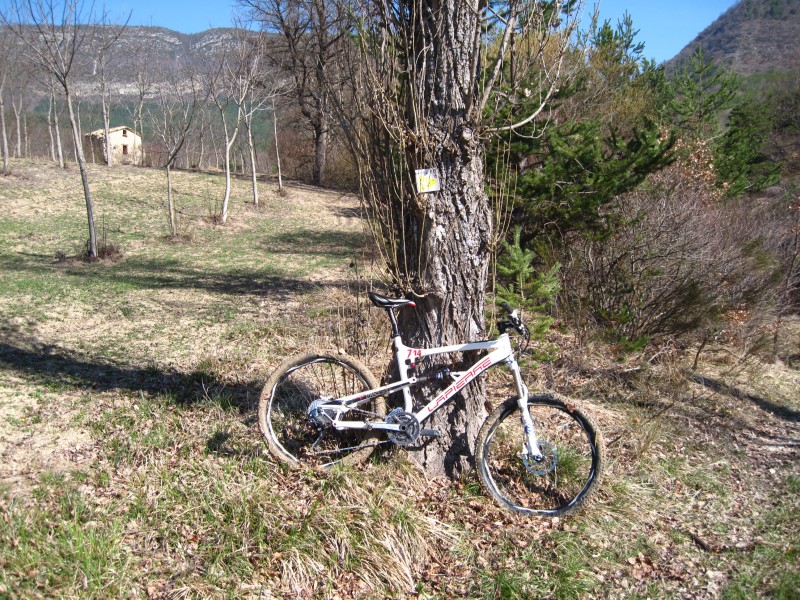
{"x": 573, "y": 457}
{"x": 292, "y": 436}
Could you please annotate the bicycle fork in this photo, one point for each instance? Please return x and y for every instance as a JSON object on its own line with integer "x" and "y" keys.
{"x": 530, "y": 448}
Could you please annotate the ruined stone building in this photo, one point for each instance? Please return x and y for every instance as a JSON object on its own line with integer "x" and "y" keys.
{"x": 125, "y": 143}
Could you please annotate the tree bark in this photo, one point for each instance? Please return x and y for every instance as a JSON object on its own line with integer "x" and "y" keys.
{"x": 18, "y": 118}
{"x": 87, "y": 193}
{"x": 172, "y": 226}
{"x": 138, "y": 149}
{"x": 453, "y": 250}
{"x": 59, "y": 147}
{"x": 106, "y": 128}
{"x": 50, "y": 129}
{"x": 202, "y": 142}
{"x": 229, "y": 142}
{"x": 253, "y": 174}
{"x": 277, "y": 148}
{"x": 25, "y": 134}
{"x": 3, "y": 132}
{"x": 214, "y": 144}
{"x": 320, "y": 153}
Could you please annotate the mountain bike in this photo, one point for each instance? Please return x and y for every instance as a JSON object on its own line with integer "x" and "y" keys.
{"x": 537, "y": 454}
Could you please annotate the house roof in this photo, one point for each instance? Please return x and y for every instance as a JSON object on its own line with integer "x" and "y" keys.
{"x": 101, "y": 132}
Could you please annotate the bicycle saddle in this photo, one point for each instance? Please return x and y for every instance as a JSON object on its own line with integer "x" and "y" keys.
{"x": 385, "y": 302}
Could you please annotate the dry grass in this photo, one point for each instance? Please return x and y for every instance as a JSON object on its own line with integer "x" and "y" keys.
{"x": 132, "y": 463}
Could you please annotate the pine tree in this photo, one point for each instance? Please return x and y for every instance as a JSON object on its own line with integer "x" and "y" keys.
{"x": 740, "y": 163}
{"x": 702, "y": 91}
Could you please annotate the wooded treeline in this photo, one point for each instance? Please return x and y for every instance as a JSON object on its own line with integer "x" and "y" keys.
{"x": 134, "y": 86}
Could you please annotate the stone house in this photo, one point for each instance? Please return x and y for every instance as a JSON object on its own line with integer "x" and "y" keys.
{"x": 125, "y": 143}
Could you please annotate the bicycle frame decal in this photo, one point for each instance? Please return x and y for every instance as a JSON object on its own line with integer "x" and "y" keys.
{"x": 500, "y": 350}
{"x": 455, "y": 387}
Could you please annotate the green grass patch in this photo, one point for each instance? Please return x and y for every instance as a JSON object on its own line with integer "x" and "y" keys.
{"x": 62, "y": 543}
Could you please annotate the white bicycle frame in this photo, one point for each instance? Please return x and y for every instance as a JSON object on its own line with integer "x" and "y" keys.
{"x": 406, "y": 357}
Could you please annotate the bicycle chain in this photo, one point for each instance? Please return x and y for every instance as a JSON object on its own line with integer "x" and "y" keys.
{"x": 340, "y": 450}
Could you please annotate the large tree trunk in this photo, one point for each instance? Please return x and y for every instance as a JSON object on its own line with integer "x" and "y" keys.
{"x": 445, "y": 252}
{"x": 453, "y": 250}
{"x": 87, "y": 193}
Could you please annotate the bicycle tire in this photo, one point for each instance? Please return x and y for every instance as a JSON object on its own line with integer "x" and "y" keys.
{"x": 291, "y": 436}
{"x": 573, "y": 449}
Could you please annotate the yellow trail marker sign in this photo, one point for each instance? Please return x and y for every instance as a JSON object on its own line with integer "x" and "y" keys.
{"x": 428, "y": 180}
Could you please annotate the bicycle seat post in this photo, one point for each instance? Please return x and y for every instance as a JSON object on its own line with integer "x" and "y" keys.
{"x": 393, "y": 320}
{"x": 390, "y": 304}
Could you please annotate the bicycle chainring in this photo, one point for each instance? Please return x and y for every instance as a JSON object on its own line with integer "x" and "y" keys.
{"x": 546, "y": 464}
{"x": 409, "y": 427}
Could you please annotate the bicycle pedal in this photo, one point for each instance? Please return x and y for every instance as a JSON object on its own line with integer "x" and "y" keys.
{"x": 430, "y": 433}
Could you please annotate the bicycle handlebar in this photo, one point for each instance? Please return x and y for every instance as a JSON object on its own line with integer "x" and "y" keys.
{"x": 514, "y": 322}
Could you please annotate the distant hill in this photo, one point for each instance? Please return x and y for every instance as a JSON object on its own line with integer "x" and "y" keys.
{"x": 161, "y": 50}
{"x": 753, "y": 36}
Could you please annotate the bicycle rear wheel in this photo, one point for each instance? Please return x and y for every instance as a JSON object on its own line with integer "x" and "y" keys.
{"x": 283, "y": 410}
{"x": 573, "y": 457}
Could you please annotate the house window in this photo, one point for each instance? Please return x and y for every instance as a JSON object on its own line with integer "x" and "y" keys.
{"x": 124, "y": 133}
{"x": 125, "y": 149}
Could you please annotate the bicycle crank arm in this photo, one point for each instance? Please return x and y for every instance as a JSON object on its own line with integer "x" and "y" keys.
{"x": 430, "y": 433}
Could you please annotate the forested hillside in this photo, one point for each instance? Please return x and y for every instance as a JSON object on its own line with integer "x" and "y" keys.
{"x": 753, "y": 36}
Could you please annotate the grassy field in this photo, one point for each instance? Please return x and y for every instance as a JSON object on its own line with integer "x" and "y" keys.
{"x": 131, "y": 464}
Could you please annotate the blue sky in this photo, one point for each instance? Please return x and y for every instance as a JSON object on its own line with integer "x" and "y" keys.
{"x": 665, "y": 27}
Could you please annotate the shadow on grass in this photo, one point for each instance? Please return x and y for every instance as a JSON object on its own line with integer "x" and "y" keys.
{"x": 317, "y": 243}
{"x": 167, "y": 274}
{"x": 60, "y": 369}
{"x": 782, "y": 412}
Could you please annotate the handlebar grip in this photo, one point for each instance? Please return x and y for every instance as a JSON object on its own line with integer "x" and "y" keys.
{"x": 507, "y": 307}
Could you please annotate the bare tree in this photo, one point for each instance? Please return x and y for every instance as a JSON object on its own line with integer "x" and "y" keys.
{"x": 264, "y": 94}
{"x": 428, "y": 73}
{"x": 177, "y": 102}
{"x": 277, "y": 146}
{"x": 233, "y": 87}
{"x": 312, "y": 34}
{"x": 103, "y": 41}
{"x": 57, "y": 149}
{"x": 54, "y": 33}
{"x": 6, "y": 61}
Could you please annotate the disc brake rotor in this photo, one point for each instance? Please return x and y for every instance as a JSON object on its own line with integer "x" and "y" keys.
{"x": 546, "y": 464}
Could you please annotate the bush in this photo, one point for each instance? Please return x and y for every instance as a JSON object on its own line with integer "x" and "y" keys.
{"x": 679, "y": 258}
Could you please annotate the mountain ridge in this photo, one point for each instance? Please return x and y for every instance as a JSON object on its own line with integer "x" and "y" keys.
{"x": 751, "y": 37}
